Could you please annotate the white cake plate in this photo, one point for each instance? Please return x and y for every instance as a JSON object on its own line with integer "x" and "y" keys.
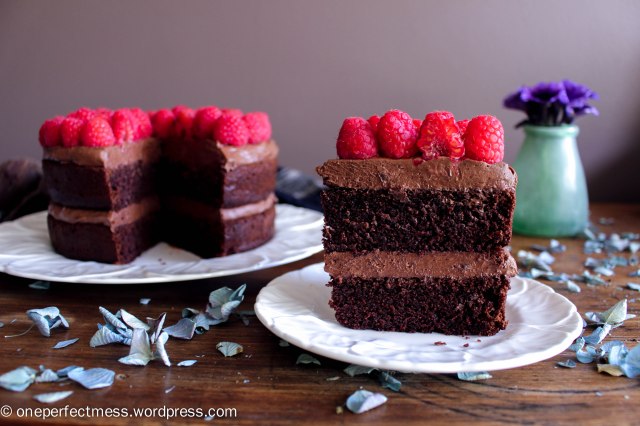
{"x": 25, "y": 251}
{"x": 542, "y": 324}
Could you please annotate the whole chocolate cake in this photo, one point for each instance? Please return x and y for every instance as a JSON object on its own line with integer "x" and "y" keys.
{"x": 417, "y": 243}
{"x": 122, "y": 181}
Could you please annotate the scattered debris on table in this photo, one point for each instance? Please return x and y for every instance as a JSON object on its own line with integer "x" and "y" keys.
{"x": 229, "y": 348}
{"x": 40, "y": 285}
{"x": 473, "y": 376}
{"x": 307, "y": 359}
{"x": 363, "y": 400}
{"x": 65, "y": 343}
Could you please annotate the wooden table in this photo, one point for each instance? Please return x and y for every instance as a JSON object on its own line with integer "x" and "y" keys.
{"x": 265, "y": 385}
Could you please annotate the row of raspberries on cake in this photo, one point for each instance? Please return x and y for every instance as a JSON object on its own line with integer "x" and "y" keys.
{"x": 397, "y": 135}
{"x": 104, "y": 127}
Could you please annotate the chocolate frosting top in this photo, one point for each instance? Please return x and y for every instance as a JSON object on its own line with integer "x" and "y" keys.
{"x": 110, "y": 156}
{"x": 189, "y": 151}
{"x": 248, "y": 154}
{"x": 379, "y": 264}
{"x": 209, "y": 153}
{"x": 409, "y": 173}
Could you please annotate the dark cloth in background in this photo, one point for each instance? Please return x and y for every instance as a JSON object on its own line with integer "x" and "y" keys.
{"x": 21, "y": 189}
{"x": 299, "y": 189}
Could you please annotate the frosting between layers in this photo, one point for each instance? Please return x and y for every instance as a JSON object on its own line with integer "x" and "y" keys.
{"x": 110, "y": 218}
{"x": 440, "y": 173}
{"x": 379, "y": 264}
{"x": 110, "y": 156}
{"x": 135, "y": 211}
{"x": 197, "y": 209}
{"x": 248, "y": 209}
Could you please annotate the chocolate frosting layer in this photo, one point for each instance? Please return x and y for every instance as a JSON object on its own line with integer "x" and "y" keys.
{"x": 208, "y": 153}
{"x": 136, "y": 211}
{"x": 248, "y": 154}
{"x": 110, "y": 156}
{"x": 110, "y": 218}
{"x": 248, "y": 209}
{"x": 151, "y": 150}
{"x": 441, "y": 173}
{"x": 378, "y": 264}
{"x": 193, "y": 208}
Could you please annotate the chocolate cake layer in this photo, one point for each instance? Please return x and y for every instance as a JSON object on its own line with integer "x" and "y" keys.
{"x": 380, "y": 264}
{"x": 414, "y": 173}
{"x": 219, "y": 236}
{"x": 218, "y": 187}
{"x": 102, "y": 243}
{"x": 469, "y": 306}
{"x": 100, "y": 188}
{"x": 419, "y": 221}
{"x": 220, "y": 175}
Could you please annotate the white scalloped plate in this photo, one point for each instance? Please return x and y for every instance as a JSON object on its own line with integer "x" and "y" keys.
{"x": 25, "y": 251}
{"x": 542, "y": 324}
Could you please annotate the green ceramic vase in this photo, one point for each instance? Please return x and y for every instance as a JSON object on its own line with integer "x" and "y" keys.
{"x": 551, "y": 197}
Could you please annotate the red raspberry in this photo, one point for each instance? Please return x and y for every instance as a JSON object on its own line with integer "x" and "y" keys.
{"x": 124, "y": 125}
{"x": 184, "y": 122}
{"x": 49, "y": 134}
{"x": 397, "y": 135}
{"x": 204, "y": 120}
{"x": 70, "y": 131}
{"x": 85, "y": 114}
{"x": 233, "y": 111}
{"x": 356, "y": 139}
{"x": 176, "y": 109}
{"x": 484, "y": 139}
{"x": 418, "y": 123}
{"x": 163, "y": 121}
{"x": 231, "y": 130}
{"x": 105, "y": 113}
{"x": 97, "y": 132}
{"x": 462, "y": 126}
{"x": 259, "y": 126}
{"x": 439, "y": 136}
{"x": 373, "y": 121}
{"x": 142, "y": 124}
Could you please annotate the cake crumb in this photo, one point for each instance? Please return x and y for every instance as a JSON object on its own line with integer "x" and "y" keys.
{"x": 466, "y": 345}
{"x": 440, "y": 343}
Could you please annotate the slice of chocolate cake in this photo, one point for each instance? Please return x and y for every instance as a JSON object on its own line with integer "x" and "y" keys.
{"x": 205, "y": 182}
{"x": 415, "y": 244}
{"x": 104, "y": 204}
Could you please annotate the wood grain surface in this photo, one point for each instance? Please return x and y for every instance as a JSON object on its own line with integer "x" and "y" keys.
{"x": 265, "y": 386}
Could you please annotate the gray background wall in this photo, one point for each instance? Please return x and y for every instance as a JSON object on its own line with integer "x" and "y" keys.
{"x": 310, "y": 64}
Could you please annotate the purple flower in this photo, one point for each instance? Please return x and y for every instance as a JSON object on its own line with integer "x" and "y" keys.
{"x": 578, "y": 94}
{"x": 578, "y": 97}
{"x": 518, "y": 100}
{"x": 552, "y": 103}
{"x": 549, "y": 93}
